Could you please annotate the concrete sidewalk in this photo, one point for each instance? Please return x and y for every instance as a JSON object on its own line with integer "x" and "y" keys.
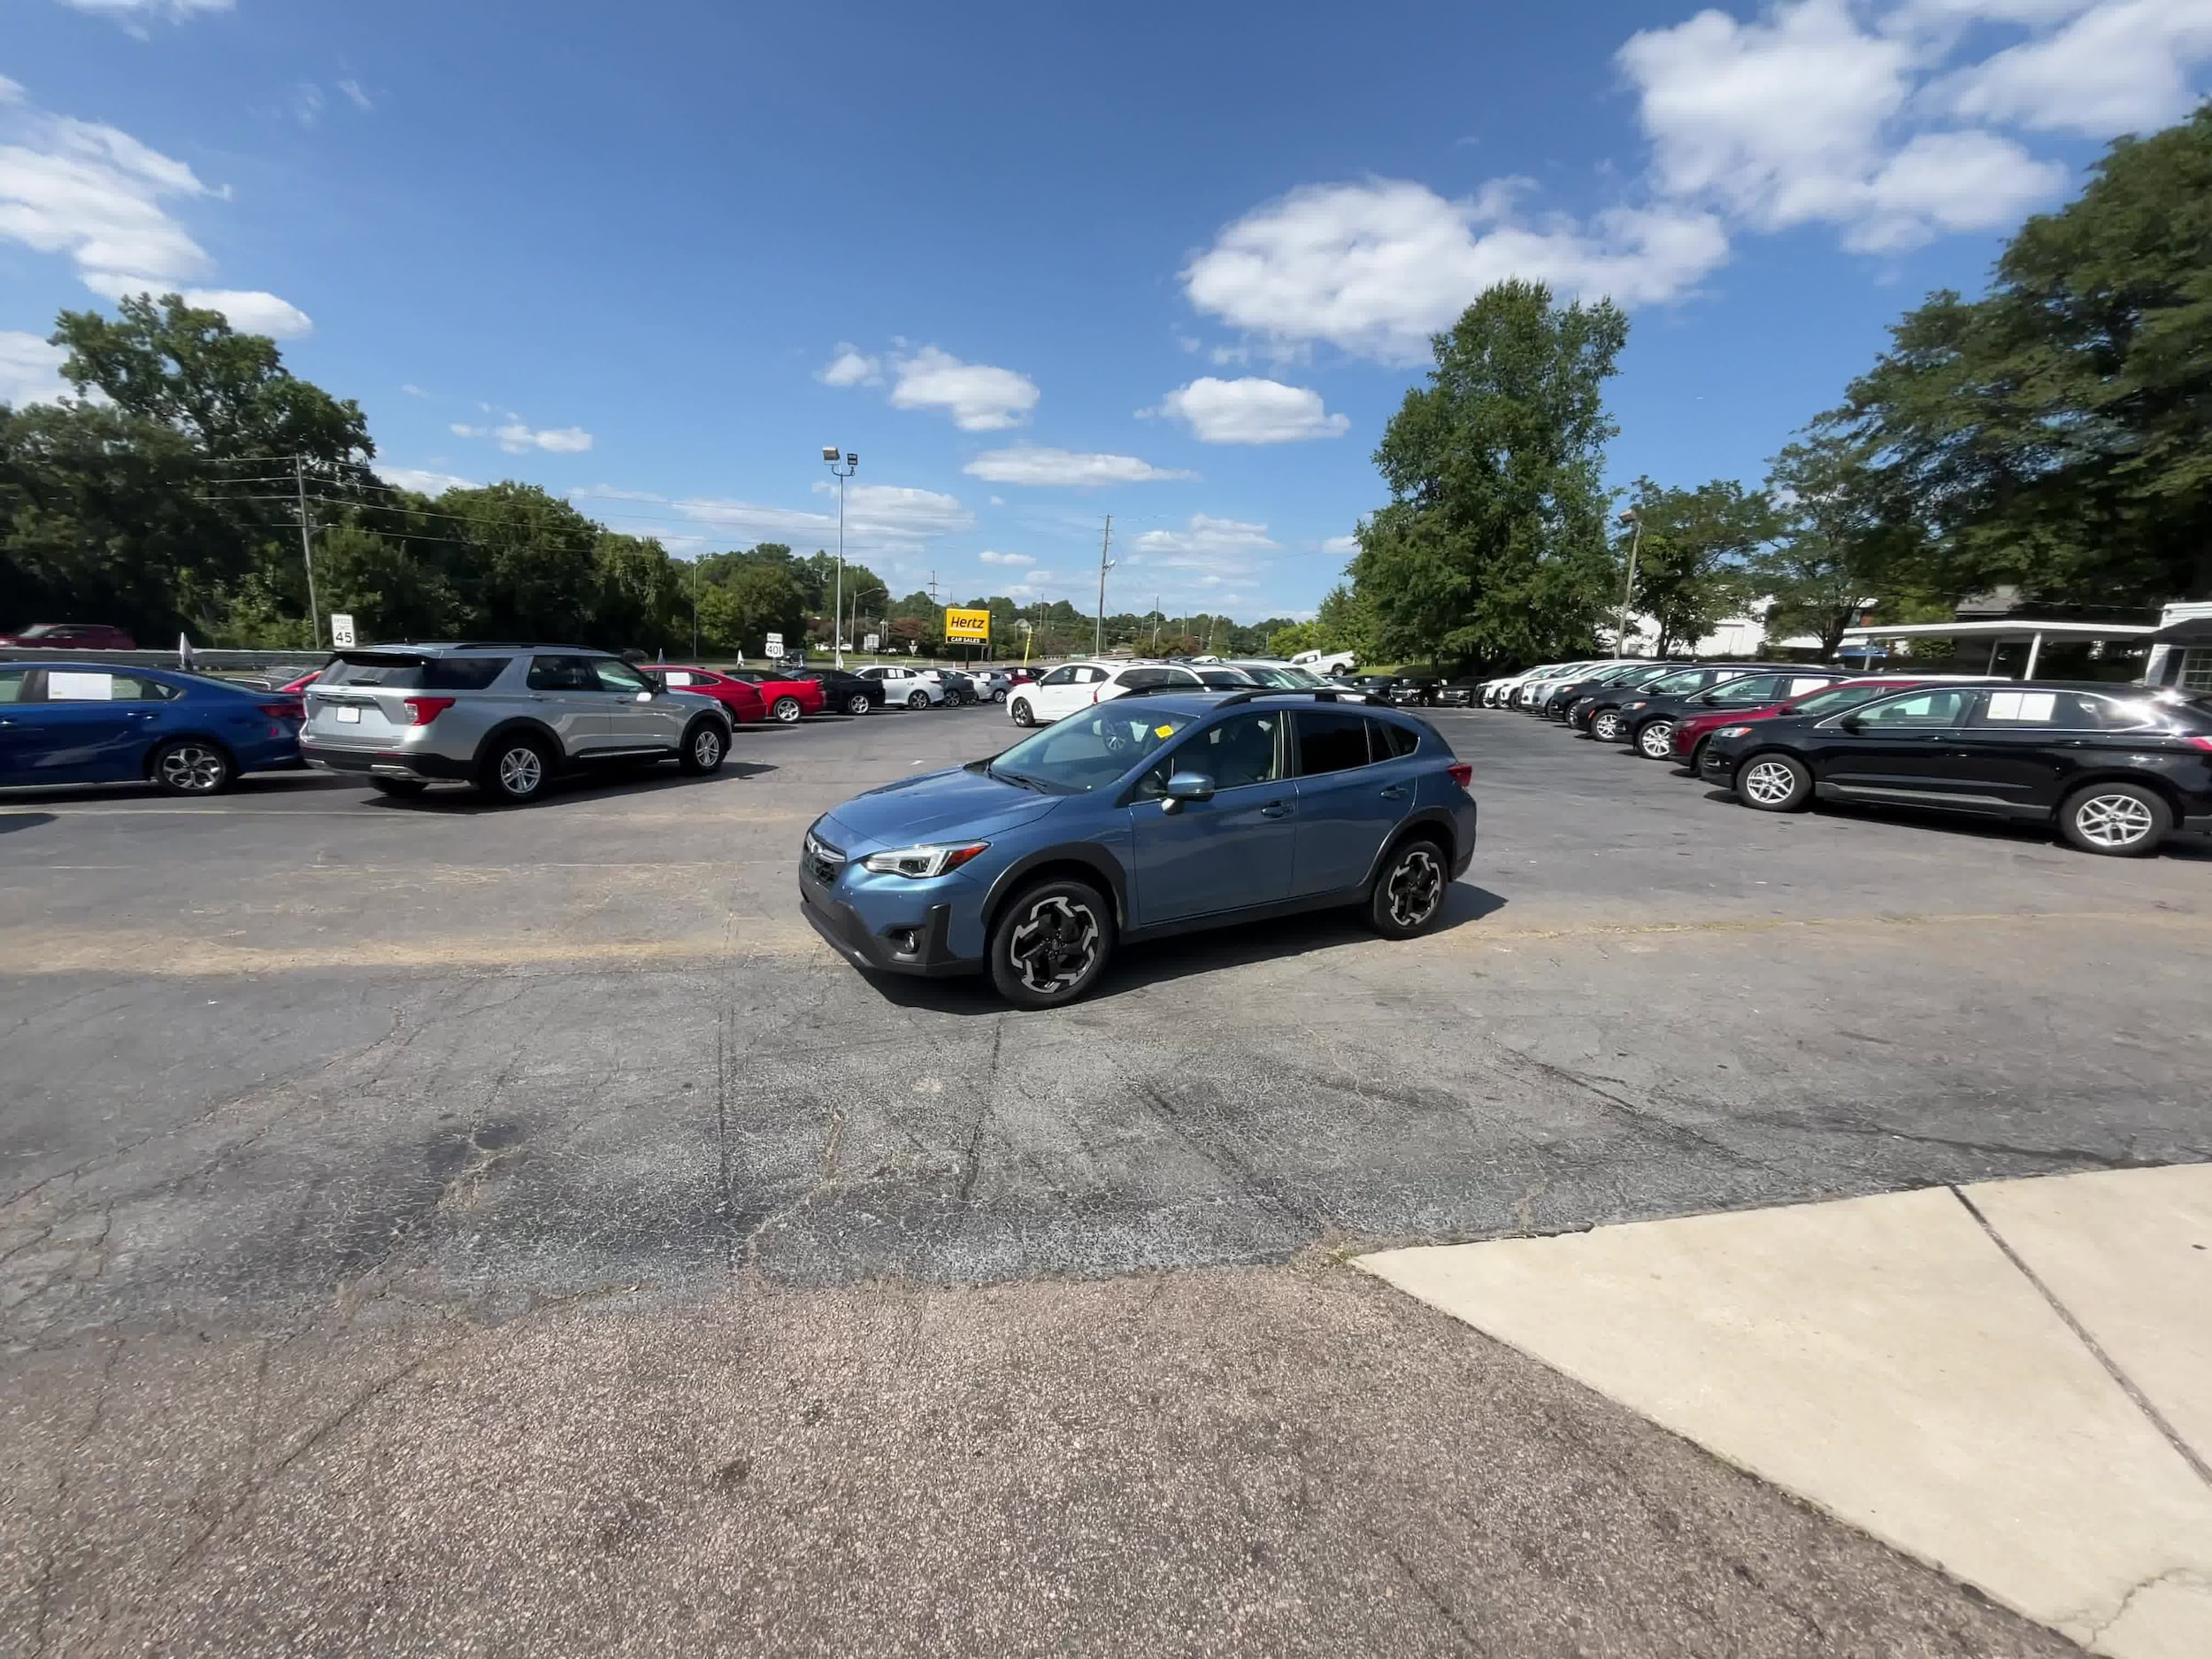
{"x": 2011, "y": 1380}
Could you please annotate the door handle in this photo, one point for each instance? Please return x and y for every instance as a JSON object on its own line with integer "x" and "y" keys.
{"x": 1275, "y": 809}
{"x": 1395, "y": 792}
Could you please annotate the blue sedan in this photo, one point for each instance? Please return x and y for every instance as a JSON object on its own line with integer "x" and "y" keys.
{"x": 1145, "y": 816}
{"x": 97, "y": 723}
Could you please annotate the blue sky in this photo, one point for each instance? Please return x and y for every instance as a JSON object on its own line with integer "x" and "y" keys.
{"x": 1034, "y": 264}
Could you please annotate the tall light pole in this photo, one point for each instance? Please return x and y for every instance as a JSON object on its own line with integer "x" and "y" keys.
{"x": 1098, "y": 633}
{"x": 851, "y": 460}
{"x": 1628, "y": 590}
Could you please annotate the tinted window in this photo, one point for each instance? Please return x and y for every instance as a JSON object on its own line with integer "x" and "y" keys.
{"x": 1930, "y": 710}
{"x": 1060, "y": 677}
{"x": 415, "y": 674}
{"x": 1093, "y": 747}
{"x": 2065, "y": 711}
{"x": 1144, "y": 678}
{"x": 614, "y": 676}
{"x": 1238, "y": 752}
{"x": 562, "y": 673}
{"x": 1836, "y": 701}
{"x": 1330, "y": 741}
{"x": 1225, "y": 679}
{"x": 1685, "y": 680}
{"x": 1389, "y": 741}
{"x": 12, "y": 684}
{"x": 1751, "y": 688}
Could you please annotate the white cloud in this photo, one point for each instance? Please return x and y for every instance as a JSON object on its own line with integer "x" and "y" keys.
{"x": 97, "y": 195}
{"x": 851, "y": 367}
{"x": 990, "y": 557}
{"x": 1251, "y": 410}
{"x": 1950, "y": 181}
{"x": 1379, "y": 266}
{"x": 2120, "y": 66}
{"x": 30, "y": 370}
{"x": 1209, "y": 554}
{"x": 998, "y": 501}
{"x": 877, "y": 515}
{"x": 307, "y": 103}
{"x": 1033, "y": 464}
{"x": 130, "y": 11}
{"x": 1341, "y": 546}
{"x": 360, "y": 99}
{"x": 411, "y": 389}
{"x": 10, "y": 91}
{"x": 422, "y": 480}
{"x": 518, "y": 437}
{"x": 978, "y": 396}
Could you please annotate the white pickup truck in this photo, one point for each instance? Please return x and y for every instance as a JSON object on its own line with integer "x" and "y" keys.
{"x": 1327, "y": 662}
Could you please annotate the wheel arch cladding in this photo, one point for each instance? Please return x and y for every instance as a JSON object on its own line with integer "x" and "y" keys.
{"x": 507, "y": 729}
{"x": 2162, "y": 787}
{"x": 1091, "y": 867}
{"x": 1429, "y": 825}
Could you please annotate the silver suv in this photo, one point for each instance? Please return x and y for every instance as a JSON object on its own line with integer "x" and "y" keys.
{"x": 505, "y": 717}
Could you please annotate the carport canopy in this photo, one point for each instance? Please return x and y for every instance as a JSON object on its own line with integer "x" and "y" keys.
{"x": 2007, "y": 631}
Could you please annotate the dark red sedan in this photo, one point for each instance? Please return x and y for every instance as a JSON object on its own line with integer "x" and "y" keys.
{"x": 1691, "y": 733}
{"x": 785, "y": 699}
{"x": 741, "y": 697}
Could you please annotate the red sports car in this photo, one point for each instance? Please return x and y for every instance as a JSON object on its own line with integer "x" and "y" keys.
{"x": 741, "y": 697}
{"x": 785, "y": 699}
{"x": 1691, "y": 733}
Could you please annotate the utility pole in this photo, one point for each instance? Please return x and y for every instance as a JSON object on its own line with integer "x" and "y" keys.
{"x": 694, "y": 607}
{"x": 837, "y": 610}
{"x": 1156, "y": 624}
{"x": 307, "y": 551}
{"x": 1098, "y": 631}
{"x": 1635, "y": 544}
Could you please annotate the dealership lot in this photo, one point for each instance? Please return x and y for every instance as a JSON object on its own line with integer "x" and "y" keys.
{"x": 308, "y": 1086}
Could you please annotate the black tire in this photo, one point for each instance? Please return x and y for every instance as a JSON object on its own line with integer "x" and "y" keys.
{"x": 516, "y": 770}
{"x": 192, "y": 766}
{"x": 857, "y": 703}
{"x": 1051, "y": 942}
{"x": 786, "y": 711}
{"x": 1408, "y": 896}
{"x": 706, "y": 745}
{"x": 917, "y": 699}
{"x": 402, "y": 787}
{"x": 2115, "y": 820}
{"x": 1022, "y": 715}
{"x": 1655, "y": 739}
{"x": 1771, "y": 782}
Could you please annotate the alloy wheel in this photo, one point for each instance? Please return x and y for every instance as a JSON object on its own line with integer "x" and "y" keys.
{"x": 786, "y": 711}
{"x": 1770, "y": 782}
{"x": 1417, "y": 888}
{"x": 857, "y": 703}
{"x": 2113, "y": 820}
{"x": 192, "y": 769}
{"x": 706, "y": 749}
{"x": 1657, "y": 740}
{"x": 1056, "y": 945}
{"x": 1606, "y": 724}
{"x": 521, "y": 770}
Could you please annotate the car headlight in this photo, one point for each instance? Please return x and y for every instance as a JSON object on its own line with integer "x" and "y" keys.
{"x": 922, "y": 863}
{"x": 1733, "y": 731}
{"x": 1639, "y": 704}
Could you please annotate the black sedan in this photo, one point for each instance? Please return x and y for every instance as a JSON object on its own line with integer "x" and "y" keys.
{"x": 2114, "y": 768}
{"x": 1650, "y": 720}
{"x": 1558, "y": 700}
{"x": 1458, "y": 694}
{"x": 844, "y": 692}
{"x": 1599, "y": 712}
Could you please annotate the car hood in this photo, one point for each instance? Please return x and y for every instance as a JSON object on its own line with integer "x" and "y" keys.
{"x": 954, "y": 804}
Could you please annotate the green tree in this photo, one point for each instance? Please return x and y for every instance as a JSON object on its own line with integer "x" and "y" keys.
{"x": 1493, "y": 541}
{"x": 1841, "y": 539}
{"x": 1293, "y": 638}
{"x": 1346, "y": 622}
{"x": 738, "y": 610}
{"x": 2057, "y": 433}
{"x": 1690, "y": 567}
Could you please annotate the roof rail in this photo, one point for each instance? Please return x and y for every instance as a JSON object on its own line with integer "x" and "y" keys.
{"x": 1257, "y": 691}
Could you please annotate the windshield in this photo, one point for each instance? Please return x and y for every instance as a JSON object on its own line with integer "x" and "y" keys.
{"x": 1687, "y": 679}
{"x": 1280, "y": 679}
{"x": 1092, "y": 748}
{"x": 413, "y": 673}
{"x": 1835, "y": 702}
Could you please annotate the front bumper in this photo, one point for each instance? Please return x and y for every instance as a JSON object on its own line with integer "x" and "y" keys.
{"x": 1718, "y": 766}
{"x": 388, "y": 763}
{"x": 919, "y": 949}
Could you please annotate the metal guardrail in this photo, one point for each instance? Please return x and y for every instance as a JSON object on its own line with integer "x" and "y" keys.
{"x": 246, "y": 662}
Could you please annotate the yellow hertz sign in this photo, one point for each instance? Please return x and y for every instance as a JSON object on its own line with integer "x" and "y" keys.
{"x": 967, "y": 625}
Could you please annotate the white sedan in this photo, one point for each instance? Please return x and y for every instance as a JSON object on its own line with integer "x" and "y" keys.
{"x": 907, "y": 687}
{"x": 1077, "y": 685}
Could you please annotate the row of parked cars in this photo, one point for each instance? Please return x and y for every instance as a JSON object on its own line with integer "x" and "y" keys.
{"x": 2114, "y": 769}
{"x": 507, "y": 719}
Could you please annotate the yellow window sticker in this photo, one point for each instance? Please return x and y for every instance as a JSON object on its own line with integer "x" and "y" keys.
{"x": 1164, "y": 731}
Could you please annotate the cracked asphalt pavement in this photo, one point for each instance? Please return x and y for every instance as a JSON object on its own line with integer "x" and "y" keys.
{"x": 438, "y": 1227}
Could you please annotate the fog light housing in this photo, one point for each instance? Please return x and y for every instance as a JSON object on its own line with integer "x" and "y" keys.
{"x": 907, "y": 942}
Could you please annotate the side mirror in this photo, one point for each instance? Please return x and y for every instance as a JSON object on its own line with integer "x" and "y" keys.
{"x": 1186, "y": 785}
{"x": 645, "y": 696}
{"x": 1851, "y": 723}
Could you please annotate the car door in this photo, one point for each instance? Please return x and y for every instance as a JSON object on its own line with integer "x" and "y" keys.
{"x": 655, "y": 722}
{"x": 567, "y": 696}
{"x": 2022, "y": 747}
{"x": 80, "y": 726}
{"x": 1900, "y": 748}
{"x": 1061, "y": 692}
{"x": 1228, "y": 853}
{"x": 1349, "y": 799}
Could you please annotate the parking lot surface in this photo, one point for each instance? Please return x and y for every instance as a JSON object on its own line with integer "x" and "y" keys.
{"x": 538, "y": 1152}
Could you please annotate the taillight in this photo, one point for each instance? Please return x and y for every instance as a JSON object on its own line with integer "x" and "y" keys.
{"x": 2204, "y": 743}
{"x": 422, "y": 711}
{"x": 282, "y": 711}
{"x": 1463, "y": 772}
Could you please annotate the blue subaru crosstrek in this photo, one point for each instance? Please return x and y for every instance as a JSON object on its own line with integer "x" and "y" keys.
{"x": 1148, "y": 815}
